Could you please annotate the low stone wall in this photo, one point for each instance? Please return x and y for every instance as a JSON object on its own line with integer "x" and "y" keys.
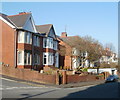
{"x": 28, "y": 75}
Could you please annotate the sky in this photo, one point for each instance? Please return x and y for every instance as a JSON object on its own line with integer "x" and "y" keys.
{"x": 96, "y": 19}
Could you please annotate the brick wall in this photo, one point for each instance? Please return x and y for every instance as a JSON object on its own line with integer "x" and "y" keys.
{"x": 77, "y": 78}
{"x": 7, "y": 51}
{"x": 28, "y": 75}
{"x": 65, "y": 61}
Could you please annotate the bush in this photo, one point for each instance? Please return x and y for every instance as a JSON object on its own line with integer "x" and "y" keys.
{"x": 85, "y": 69}
{"x": 105, "y": 65}
{"x": 50, "y": 72}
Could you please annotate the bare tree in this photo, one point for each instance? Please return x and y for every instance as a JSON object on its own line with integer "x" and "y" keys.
{"x": 110, "y": 46}
{"x": 83, "y": 45}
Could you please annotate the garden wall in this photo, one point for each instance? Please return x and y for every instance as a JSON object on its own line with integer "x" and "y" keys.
{"x": 35, "y": 76}
{"x": 77, "y": 78}
{"x": 28, "y": 75}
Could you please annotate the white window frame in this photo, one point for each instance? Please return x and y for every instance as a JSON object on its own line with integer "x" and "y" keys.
{"x": 45, "y": 54}
{"x": 34, "y": 38}
{"x": 49, "y": 42}
{"x": 27, "y": 58}
{"x": 49, "y": 58}
{"x": 22, "y": 58}
{"x": 36, "y": 41}
{"x": 20, "y": 36}
{"x": 55, "y": 45}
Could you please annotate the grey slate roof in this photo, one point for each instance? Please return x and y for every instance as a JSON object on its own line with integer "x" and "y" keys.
{"x": 19, "y": 20}
{"x": 6, "y": 18}
{"x": 44, "y": 29}
{"x": 69, "y": 39}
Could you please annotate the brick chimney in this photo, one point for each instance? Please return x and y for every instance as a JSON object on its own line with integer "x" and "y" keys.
{"x": 20, "y": 13}
{"x": 64, "y": 34}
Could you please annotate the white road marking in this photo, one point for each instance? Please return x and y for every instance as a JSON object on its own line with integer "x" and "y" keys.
{"x": 8, "y": 79}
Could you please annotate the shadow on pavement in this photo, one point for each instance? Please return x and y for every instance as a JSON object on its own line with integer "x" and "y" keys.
{"x": 28, "y": 96}
{"x": 106, "y": 90}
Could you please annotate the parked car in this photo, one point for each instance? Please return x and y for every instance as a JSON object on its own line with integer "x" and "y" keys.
{"x": 112, "y": 78}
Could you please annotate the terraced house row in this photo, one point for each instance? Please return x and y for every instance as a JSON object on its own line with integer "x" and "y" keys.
{"x": 26, "y": 45}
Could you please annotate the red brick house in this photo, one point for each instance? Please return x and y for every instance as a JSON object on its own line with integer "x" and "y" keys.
{"x": 67, "y": 61}
{"x": 25, "y": 45}
{"x": 71, "y": 59}
{"x": 50, "y": 45}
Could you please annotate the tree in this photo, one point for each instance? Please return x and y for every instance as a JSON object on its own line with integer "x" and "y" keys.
{"x": 110, "y": 46}
{"x": 94, "y": 48}
{"x": 83, "y": 45}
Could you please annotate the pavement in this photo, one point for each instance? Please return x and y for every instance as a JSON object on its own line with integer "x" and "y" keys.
{"x": 14, "y": 90}
{"x": 81, "y": 84}
{"x": 70, "y": 85}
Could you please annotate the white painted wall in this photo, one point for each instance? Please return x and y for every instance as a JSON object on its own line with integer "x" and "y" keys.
{"x": 103, "y": 70}
{"x": 75, "y": 62}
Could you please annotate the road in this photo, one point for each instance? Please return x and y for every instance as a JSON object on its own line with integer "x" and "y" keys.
{"x": 23, "y": 91}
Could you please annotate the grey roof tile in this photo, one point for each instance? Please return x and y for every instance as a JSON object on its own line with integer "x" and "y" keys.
{"x": 44, "y": 29}
{"x": 19, "y": 20}
{"x": 6, "y": 18}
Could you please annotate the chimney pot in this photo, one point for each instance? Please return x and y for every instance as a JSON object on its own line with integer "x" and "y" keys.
{"x": 64, "y": 34}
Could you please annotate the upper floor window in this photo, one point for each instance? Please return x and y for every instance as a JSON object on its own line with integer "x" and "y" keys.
{"x": 55, "y": 45}
{"x": 28, "y": 38}
{"x": 36, "y": 41}
{"x": 48, "y": 42}
{"x": 20, "y": 37}
{"x": 24, "y": 37}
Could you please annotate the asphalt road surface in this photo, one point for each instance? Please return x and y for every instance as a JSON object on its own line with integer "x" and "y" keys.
{"x": 24, "y": 91}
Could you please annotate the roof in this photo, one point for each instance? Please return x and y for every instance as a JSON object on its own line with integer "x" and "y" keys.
{"x": 44, "y": 29}
{"x": 19, "y": 20}
{"x": 69, "y": 39}
{"x": 6, "y": 18}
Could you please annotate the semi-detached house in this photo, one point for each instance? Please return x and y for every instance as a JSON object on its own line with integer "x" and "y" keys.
{"x": 26, "y": 45}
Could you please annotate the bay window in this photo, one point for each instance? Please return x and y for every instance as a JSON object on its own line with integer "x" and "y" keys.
{"x": 48, "y": 42}
{"x": 19, "y": 57}
{"x": 48, "y": 58}
{"x": 55, "y": 45}
{"x": 27, "y": 58}
{"x": 20, "y": 37}
{"x": 27, "y": 38}
{"x": 24, "y": 37}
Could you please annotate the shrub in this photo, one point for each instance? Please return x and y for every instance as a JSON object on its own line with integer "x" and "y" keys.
{"x": 50, "y": 72}
{"x": 85, "y": 69}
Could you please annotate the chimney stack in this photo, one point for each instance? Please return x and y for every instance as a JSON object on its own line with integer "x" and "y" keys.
{"x": 20, "y": 13}
{"x": 64, "y": 34}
